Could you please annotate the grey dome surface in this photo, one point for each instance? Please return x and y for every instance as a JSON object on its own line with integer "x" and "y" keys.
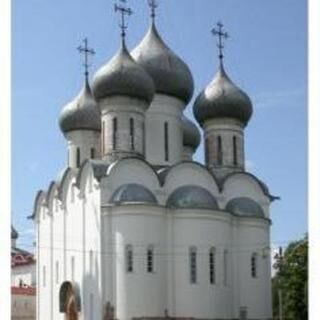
{"x": 245, "y": 207}
{"x": 222, "y": 99}
{"x": 14, "y": 233}
{"x": 123, "y": 76}
{"x": 170, "y": 74}
{"x": 82, "y": 113}
{"x": 191, "y": 196}
{"x": 133, "y": 193}
{"x": 191, "y": 133}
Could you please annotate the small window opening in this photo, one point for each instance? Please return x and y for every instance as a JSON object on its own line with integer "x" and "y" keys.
{"x": 254, "y": 265}
{"x": 114, "y": 133}
{"x": 212, "y": 267}
{"x": 235, "y": 153}
{"x": 166, "y": 142}
{"x": 78, "y": 158}
{"x": 92, "y": 153}
{"x": 150, "y": 257}
{"x": 219, "y": 151}
{"x": 129, "y": 258}
{"x": 132, "y": 134}
{"x": 193, "y": 265}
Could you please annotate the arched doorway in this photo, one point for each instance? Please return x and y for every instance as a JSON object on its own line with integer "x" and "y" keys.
{"x": 69, "y": 300}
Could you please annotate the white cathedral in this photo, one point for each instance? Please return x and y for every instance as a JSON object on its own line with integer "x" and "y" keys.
{"x": 134, "y": 228}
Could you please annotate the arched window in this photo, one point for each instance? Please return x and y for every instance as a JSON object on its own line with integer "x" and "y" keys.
{"x": 225, "y": 267}
{"x": 193, "y": 264}
{"x": 57, "y": 272}
{"x": 219, "y": 151}
{"x": 92, "y": 153}
{"x": 254, "y": 265}
{"x": 212, "y": 265}
{"x": 44, "y": 276}
{"x": 166, "y": 141}
{"x": 132, "y": 134}
{"x": 78, "y": 158}
{"x": 129, "y": 258}
{"x": 114, "y": 133}
{"x": 235, "y": 151}
{"x": 150, "y": 259}
{"x": 72, "y": 268}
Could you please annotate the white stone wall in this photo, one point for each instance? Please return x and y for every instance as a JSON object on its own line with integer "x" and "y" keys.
{"x": 227, "y": 129}
{"x": 23, "y": 307}
{"x": 85, "y": 140}
{"x": 123, "y": 109}
{"x": 164, "y": 109}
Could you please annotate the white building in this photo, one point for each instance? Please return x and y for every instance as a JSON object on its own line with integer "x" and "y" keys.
{"x": 134, "y": 228}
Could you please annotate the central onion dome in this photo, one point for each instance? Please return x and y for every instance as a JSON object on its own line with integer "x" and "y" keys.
{"x": 191, "y": 133}
{"x": 222, "y": 99}
{"x": 170, "y": 74}
{"x": 82, "y": 113}
{"x": 123, "y": 76}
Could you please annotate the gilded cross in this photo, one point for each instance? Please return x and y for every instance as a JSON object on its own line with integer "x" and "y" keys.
{"x": 221, "y": 35}
{"x": 153, "y": 6}
{"x": 86, "y": 51}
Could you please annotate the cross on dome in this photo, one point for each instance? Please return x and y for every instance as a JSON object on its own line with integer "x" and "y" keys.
{"x": 124, "y": 11}
{"x": 86, "y": 51}
{"x": 153, "y": 6}
{"x": 221, "y": 35}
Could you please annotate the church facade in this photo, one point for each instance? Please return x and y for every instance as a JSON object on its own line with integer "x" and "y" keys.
{"x": 134, "y": 228}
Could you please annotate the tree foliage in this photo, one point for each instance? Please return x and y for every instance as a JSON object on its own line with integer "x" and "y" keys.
{"x": 292, "y": 280}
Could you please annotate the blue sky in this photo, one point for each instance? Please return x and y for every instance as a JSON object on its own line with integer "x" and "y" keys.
{"x": 266, "y": 56}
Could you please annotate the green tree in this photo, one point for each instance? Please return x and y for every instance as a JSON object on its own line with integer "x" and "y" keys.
{"x": 291, "y": 280}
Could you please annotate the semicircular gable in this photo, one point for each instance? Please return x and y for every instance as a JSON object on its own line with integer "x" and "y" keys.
{"x": 38, "y": 202}
{"x": 52, "y": 193}
{"x": 243, "y": 184}
{"x": 132, "y": 170}
{"x": 64, "y": 187}
{"x": 189, "y": 173}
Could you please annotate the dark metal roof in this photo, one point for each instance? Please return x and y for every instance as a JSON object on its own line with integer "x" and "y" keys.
{"x": 14, "y": 233}
{"x": 222, "y": 99}
{"x": 133, "y": 193}
{"x": 123, "y": 76}
{"x": 170, "y": 74}
{"x": 191, "y": 133}
{"x": 192, "y": 196}
{"x": 82, "y": 113}
{"x": 244, "y": 206}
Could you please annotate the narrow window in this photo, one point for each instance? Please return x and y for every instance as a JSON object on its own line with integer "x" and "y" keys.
{"x": 91, "y": 262}
{"x": 103, "y": 136}
{"x": 150, "y": 258}
{"x": 44, "y": 276}
{"x": 206, "y": 146}
{"x": 92, "y": 153}
{"x": 166, "y": 142}
{"x": 72, "y": 268}
{"x": 78, "y": 158}
{"x": 254, "y": 265}
{"x": 57, "y": 272}
{"x": 235, "y": 154}
{"x": 219, "y": 151}
{"x": 132, "y": 134}
{"x": 212, "y": 266}
{"x": 129, "y": 258}
{"x": 20, "y": 283}
{"x": 225, "y": 267}
{"x": 193, "y": 264}
{"x": 114, "y": 133}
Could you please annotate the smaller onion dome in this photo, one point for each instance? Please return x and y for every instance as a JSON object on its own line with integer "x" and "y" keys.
{"x": 82, "y": 113}
{"x": 170, "y": 74}
{"x": 245, "y": 207}
{"x": 14, "y": 233}
{"x": 133, "y": 193}
{"x": 192, "y": 196}
{"x": 191, "y": 133}
{"x": 123, "y": 76}
{"x": 222, "y": 99}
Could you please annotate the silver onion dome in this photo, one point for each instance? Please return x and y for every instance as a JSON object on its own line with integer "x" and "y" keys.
{"x": 82, "y": 113}
{"x": 170, "y": 74}
{"x": 191, "y": 133}
{"x": 222, "y": 99}
{"x": 123, "y": 76}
